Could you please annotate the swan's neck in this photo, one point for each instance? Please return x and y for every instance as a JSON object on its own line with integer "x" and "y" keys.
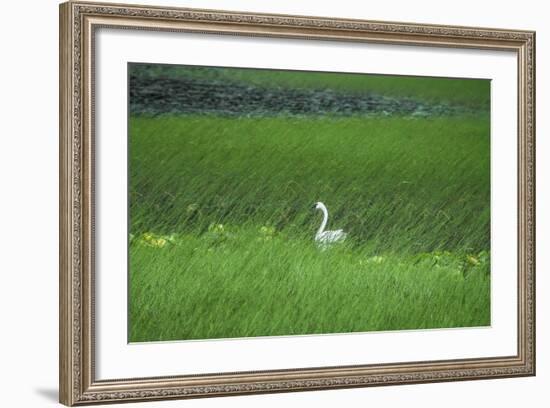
{"x": 325, "y": 220}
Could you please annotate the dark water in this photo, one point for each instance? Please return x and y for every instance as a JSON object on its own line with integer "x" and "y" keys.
{"x": 155, "y": 96}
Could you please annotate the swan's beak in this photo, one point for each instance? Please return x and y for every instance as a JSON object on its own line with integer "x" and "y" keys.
{"x": 313, "y": 207}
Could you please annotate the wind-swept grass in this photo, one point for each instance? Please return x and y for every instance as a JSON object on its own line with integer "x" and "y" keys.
{"x": 241, "y": 282}
{"x": 393, "y": 184}
{"x": 222, "y": 227}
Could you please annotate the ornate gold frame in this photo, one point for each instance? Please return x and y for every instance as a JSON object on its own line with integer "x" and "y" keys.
{"x": 78, "y": 21}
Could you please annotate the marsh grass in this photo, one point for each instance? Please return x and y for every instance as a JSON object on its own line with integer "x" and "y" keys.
{"x": 198, "y": 287}
{"x": 222, "y": 228}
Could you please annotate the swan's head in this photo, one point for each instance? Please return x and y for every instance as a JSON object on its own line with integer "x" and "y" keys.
{"x": 318, "y": 205}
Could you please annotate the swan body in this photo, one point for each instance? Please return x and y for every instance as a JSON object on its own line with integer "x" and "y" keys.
{"x": 325, "y": 238}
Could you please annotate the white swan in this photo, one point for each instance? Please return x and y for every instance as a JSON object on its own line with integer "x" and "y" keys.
{"x": 323, "y": 237}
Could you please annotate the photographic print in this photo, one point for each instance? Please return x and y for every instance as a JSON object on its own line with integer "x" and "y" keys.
{"x": 274, "y": 202}
{"x": 257, "y": 203}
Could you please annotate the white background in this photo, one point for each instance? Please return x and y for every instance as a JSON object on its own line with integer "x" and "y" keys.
{"x": 117, "y": 359}
{"x": 28, "y": 174}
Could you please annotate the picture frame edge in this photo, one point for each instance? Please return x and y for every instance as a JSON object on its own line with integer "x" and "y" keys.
{"x": 76, "y": 365}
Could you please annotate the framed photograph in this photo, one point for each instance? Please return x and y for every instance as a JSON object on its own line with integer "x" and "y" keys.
{"x": 256, "y": 203}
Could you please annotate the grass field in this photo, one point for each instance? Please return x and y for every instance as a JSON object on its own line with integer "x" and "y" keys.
{"x": 221, "y": 225}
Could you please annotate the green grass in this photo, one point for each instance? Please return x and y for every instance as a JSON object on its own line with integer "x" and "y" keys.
{"x": 470, "y": 92}
{"x": 222, "y": 227}
{"x": 247, "y": 283}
